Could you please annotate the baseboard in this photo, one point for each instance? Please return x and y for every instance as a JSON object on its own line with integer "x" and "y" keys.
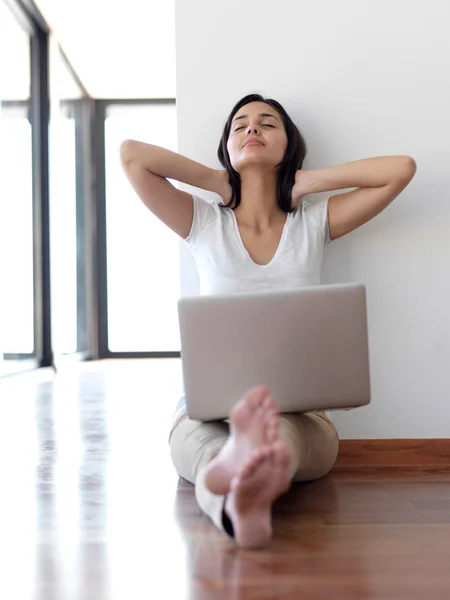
{"x": 394, "y": 453}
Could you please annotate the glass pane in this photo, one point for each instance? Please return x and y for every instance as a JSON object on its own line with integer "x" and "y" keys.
{"x": 143, "y": 264}
{"x": 64, "y": 95}
{"x": 16, "y": 192}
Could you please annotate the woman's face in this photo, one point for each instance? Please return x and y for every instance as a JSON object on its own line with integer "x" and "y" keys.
{"x": 259, "y": 121}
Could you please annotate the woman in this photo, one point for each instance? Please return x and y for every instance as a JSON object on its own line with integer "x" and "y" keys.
{"x": 262, "y": 237}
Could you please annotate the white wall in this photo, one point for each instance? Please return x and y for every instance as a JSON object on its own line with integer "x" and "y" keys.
{"x": 360, "y": 79}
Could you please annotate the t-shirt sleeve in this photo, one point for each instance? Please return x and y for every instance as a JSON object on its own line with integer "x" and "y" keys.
{"x": 204, "y": 215}
{"x": 317, "y": 211}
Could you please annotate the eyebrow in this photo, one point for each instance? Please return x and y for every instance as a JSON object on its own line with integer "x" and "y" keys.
{"x": 260, "y": 115}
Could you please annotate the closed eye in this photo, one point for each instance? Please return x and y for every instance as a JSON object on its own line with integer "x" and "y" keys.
{"x": 265, "y": 125}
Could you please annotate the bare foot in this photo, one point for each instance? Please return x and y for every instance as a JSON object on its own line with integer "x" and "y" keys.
{"x": 262, "y": 480}
{"x": 254, "y": 423}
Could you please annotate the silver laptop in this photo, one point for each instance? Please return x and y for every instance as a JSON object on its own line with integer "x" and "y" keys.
{"x": 308, "y": 346}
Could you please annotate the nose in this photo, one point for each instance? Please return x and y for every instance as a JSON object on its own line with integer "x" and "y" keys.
{"x": 252, "y": 129}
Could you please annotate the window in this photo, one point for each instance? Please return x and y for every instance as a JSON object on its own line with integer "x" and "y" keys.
{"x": 16, "y": 195}
{"x": 67, "y": 202}
{"x": 143, "y": 265}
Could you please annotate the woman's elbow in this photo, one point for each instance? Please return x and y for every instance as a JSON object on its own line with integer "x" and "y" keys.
{"x": 411, "y": 166}
{"x": 127, "y": 153}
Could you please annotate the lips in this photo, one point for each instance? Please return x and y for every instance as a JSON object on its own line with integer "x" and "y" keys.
{"x": 253, "y": 143}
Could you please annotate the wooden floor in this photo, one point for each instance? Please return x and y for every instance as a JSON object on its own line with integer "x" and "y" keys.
{"x": 91, "y": 508}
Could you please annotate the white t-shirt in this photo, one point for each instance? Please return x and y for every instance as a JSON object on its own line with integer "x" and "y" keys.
{"x": 225, "y": 267}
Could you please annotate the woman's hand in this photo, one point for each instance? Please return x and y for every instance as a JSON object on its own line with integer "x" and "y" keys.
{"x": 302, "y": 186}
{"x": 221, "y": 185}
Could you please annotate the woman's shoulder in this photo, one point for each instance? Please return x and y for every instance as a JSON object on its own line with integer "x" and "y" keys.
{"x": 313, "y": 211}
{"x": 208, "y": 210}
{"x": 313, "y": 215}
{"x": 206, "y": 213}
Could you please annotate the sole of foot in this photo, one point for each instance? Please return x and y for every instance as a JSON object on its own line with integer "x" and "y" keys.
{"x": 254, "y": 423}
{"x": 261, "y": 481}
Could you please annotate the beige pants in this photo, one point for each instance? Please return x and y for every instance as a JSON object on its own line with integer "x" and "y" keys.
{"x": 310, "y": 437}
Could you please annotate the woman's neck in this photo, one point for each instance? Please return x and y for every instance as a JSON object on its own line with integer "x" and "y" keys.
{"x": 258, "y": 208}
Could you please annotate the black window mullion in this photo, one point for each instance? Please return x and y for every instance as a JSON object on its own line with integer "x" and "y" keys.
{"x": 98, "y": 162}
{"x": 40, "y": 113}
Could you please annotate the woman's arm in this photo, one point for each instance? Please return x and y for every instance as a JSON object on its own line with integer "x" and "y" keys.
{"x": 379, "y": 181}
{"x": 148, "y": 169}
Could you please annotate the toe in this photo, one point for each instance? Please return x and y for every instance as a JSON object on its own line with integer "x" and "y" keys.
{"x": 261, "y": 414}
{"x": 270, "y": 404}
{"x": 256, "y": 396}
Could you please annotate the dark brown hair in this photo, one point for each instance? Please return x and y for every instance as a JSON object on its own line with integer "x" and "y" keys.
{"x": 292, "y": 160}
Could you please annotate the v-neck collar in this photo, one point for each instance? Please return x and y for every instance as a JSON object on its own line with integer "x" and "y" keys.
{"x": 280, "y": 243}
